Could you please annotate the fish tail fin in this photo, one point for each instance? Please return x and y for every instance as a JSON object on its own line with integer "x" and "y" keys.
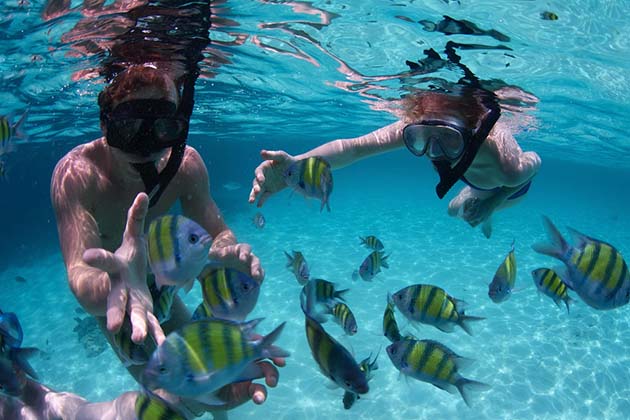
{"x": 21, "y": 355}
{"x": 269, "y": 350}
{"x": 486, "y": 228}
{"x": 289, "y": 259}
{"x": 464, "y": 322}
{"x": 339, "y": 294}
{"x": 467, "y": 386}
{"x": 384, "y": 262}
{"x": 557, "y": 247}
{"x": 567, "y": 302}
{"x": 18, "y": 132}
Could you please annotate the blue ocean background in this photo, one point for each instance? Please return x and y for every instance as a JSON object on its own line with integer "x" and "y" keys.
{"x": 540, "y": 361}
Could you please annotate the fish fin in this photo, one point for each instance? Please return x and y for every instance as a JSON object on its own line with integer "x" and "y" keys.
{"x": 355, "y": 275}
{"x": 567, "y": 302}
{"x": 466, "y": 386}
{"x": 17, "y": 128}
{"x": 486, "y": 228}
{"x": 189, "y": 285}
{"x": 289, "y": 259}
{"x": 160, "y": 281}
{"x": 465, "y": 319}
{"x": 563, "y": 273}
{"x": 332, "y": 385}
{"x": 384, "y": 262}
{"x": 21, "y": 355}
{"x": 558, "y": 247}
{"x": 338, "y": 294}
{"x": 460, "y": 305}
{"x": 268, "y": 349}
{"x": 209, "y": 399}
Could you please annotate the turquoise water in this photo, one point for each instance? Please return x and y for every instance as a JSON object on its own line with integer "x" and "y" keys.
{"x": 540, "y": 362}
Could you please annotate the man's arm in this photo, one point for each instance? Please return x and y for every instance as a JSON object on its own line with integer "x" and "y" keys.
{"x": 78, "y": 231}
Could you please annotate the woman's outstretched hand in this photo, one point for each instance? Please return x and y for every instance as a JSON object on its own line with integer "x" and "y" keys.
{"x": 269, "y": 175}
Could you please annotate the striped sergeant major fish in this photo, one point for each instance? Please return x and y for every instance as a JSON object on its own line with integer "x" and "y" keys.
{"x": 334, "y": 361}
{"x": 431, "y": 305}
{"x": 432, "y": 362}
{"x": 368, "y": 366}
{"x": 129, "y": 352}
{"x": 202, "y": 311}
{"x": 10, "y": 131}
{"x": 298, "y": 266}
{"x": 371, "y": 266}
{"x": 344, "y": 317}
{"x": 318, "y": 292}
{"x": 550, "y": 284}
{"x": 390, "y": 327}
{"x": 502, "y": 284}
{"x": 311, "y": 177}
{"x": 594, "y": 269}
{"x": 229, "y": 293}
{"x": 372, "y": 242}
{"x": 152, "y": 407}
{"x": 178, "y": 250}
{"x": 203, "y": 356}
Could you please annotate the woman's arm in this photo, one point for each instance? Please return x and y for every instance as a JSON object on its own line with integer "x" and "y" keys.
{"x": 343, "y": 152}
{"x": 269, "y": 175}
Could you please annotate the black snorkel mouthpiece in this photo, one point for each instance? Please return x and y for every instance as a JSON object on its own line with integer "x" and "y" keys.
{"x": 450, "y": 175}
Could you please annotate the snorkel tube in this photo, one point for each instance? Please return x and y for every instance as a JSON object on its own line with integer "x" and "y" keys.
{"x": 450, "y": 175}
{"x": 470, "y": 85}
{"x": 155, "y": 183}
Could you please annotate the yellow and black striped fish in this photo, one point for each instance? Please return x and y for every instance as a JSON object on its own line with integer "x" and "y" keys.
{"x": 152, "y": 407}
{"x": 372, "y": 242}
{"x": 431, "y": 305}
{"x": 334, "y": 361}
{"x": 344, "y": 317}
{"x": 502, "y": 284}
{"x": 595, "y": 269}
{"x": 311, "y": 177}
{"x": 204, "y": 355}
{"x": 368, "y": 367}
{"x": 390, "y": 327}
{"x": 298, "y": 266}
{"x": 229, "y": 293}
{"x": 178, "y": 250}
{"x": 550, "y": 284}
{"x": 10, "y": 131}
{"x": 432, "y": 362}
{"x": 129, "y": 352}
{"x": 371, "y": 266}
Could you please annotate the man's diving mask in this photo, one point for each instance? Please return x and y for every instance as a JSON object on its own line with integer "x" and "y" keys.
{"x": 145, "y": 126}
{"x": 437, "y": 139}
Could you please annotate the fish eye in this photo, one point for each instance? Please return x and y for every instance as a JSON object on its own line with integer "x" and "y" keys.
{"x": 163, "y": 370}
{"x": 193, "y": 238}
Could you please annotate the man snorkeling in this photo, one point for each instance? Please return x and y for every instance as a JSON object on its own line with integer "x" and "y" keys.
{"x": 141, "y": 166}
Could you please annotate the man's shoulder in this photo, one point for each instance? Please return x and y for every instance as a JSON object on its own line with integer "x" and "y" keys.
{"x": 192, "y": 162}
{"x": 79, "y": 162}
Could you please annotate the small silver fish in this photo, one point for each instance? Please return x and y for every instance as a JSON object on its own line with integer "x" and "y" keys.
{"x": 259, "y": 220}
{"x": 298, "y": 266}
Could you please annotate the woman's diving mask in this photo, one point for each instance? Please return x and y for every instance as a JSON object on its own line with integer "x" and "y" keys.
{"x": 437, "y": 139}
